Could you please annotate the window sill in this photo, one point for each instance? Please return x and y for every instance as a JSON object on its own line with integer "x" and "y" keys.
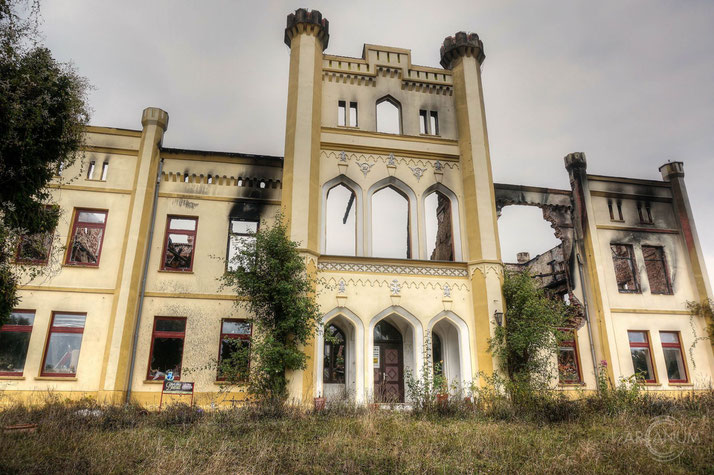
{"x": 167, "y": 271}
{"x": 55, "y": 378}
{"x": 654, "y": 385}
{"x": 226, "y": 383}
{"x": 153, "y": 381}
{"x": 438, "y": 136}
{"x": 571, "y": 385}
{"x": 82, "y": 266}
{"x": 351, "y": 127}
{"x": 12, "y": 378}
{"x": 617, "y": 220}
{"x": 30, "y": 263}
{"x": 682, "y": 385}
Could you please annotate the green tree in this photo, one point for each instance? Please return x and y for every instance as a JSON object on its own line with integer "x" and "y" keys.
{"x": 525, "y": 344}
{"x": 42, "y": 117}
{"x": 271, "y": 277}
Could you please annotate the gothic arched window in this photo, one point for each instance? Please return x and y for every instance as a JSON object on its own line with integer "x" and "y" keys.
{"x": 389, "y": 116}
{"x": 439, "y": 229}
{"x": 340, "y": 221}
{"x": 333, "y": 369}
{"x": 390, "y": 224}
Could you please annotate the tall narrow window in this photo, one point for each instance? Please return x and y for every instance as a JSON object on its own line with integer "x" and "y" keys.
{"x": 105, "y": 170}
{"x": 656, "y": 266}
{"x": 390, "y": 224}
{"x": 14, "y": 340}
{"x": 673, "y": 357}
{"x": 423, "y": 122}
{"x": 90, "y": 172}
{"x": 341, "y": 113}
{"x": 433, "y": 123}
{"x": 645, "y": 213}
{"x": 439, "y": 237}
{"x": 389, "y": 118}
{"x": 63, "y": 344}
{"x": 166, "y": 347}
{"x": 609, "y": 208}
{"x": 179, "y": 243}
{"x": 353, "y": 114}
{"x": 625, "y": 269}
{"x": 437, "y": 355}
{"x": 87, "y": 236}
{"x": 240, "y": 236}
{"x": 333, "y": 368}
{"x": 568, "y": 367}
{"x": 234, "y": 353}
{"x": 641, "y": 355}
{"x": 340, "y": 221}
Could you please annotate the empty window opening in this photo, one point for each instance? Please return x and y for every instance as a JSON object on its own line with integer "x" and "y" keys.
{"x": 423, "y": 122}
{"x": 87, "y": 237}
{"x": 34, "y": 248}
{"x": 105, "y": 170}
{"x": 439, "y": 230}
{"x": 210, "y": 179}
{"x": 353, "y": 114}
{"x": 90, "y": 172}
{"x": 673, "y": 357}
{"x": 525, "y": 235}
{"x": 179, "y": 243}
{"x": 568, "y": 362}
{"x": 433, "y": 123}
{"x": 341, "y": 221}
{"x": 437, "y": 355}
{"x": 612, "y": 210}
{"x": 241, "y": 235}
{"x": 63, "y": 344}
{"x": 341, "y": 114}
{"x": 234, "y": 351}
{"x": 166, "y": 348}
{"x": 645, "y": 213}
{"x": 641, "y": 355}
{"x": 656, "y": 266}
{"x": 390, "y": 224}
{"x": 14, "y": 340}
{"x": 389, "y": 119}
{"x": 262, "y": 184}
{"x": 185, "y": 177}
{"x": 623, "y": 259}
{"x": 333, "y": 367}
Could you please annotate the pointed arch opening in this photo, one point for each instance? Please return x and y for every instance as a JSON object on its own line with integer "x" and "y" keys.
{"x": 341, "y": 221}
{"x": 389, "y": 115}
{"x": 340, "y": 347}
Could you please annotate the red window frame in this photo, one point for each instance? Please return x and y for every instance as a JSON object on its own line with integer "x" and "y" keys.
{"x": 166, "y": 334}
{"x": 49, "y": 235}
{"x": 178, "y": 231}
{"x": 572, "y": 343}
{"x": 233, "y": 336}
{"x": 75, "y": 225}
{"x": 644, "y": 345}
{"x": 677, "y": 345}
{"x": 7, "y": 328}
{"x": 54, "y": 329}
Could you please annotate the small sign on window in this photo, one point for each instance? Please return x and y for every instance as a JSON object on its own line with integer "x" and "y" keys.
{"x": 375, "y": 357}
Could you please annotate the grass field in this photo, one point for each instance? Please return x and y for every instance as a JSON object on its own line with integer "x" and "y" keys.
{"x": 73, "y": 438}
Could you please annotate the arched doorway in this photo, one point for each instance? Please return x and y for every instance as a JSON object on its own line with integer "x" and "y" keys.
{"x": 388, "y": 363}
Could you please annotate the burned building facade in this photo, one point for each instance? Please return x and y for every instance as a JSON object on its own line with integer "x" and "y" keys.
{"x": 387, "y": 187}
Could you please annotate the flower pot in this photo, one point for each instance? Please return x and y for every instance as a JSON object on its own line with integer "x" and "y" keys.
{"x": 319, "y": 403}
{"x": 442, "y": 398}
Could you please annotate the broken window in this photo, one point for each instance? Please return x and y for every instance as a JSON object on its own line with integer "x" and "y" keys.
{"x": 241, "y": 235}
{"x": 166, "y": 347}
{"x": 340, "y": 221}
{"x": 87, "y": 236}
{"x": 63, "y": 344}
{"x": 389, "y": 118}
{"x": 568, "y": 367}
{"x": 341, "y": 114}
{"x": 673, "y": 357}
{"x": 439, "y": 231}
{"x": 234, "y": 352}
{"x": 390, "y": 224}
{"x": 333, "y": 368}
{"x": 14, "y": 340}
{"x": 179, "y": 243}
{"x": 625, "y": 270}
{"x": 656, "y": 267}
{"x": 641, "y": 355}
{"x": 645, "y": 213}
{"x": 34, "y": 248}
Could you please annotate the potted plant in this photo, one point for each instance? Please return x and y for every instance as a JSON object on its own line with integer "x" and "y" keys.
{"x": 319, "y": 403}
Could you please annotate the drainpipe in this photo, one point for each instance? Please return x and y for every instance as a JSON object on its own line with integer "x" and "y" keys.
{"x": 143, "y": 282}
{"x": 587, "y": 319}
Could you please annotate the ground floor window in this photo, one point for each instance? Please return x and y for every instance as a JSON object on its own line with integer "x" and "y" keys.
{"x": 568, "y": 367}
{"x": 167, "y": 348}
{"x": 673, "y": 357}
{"x": 334, "y": 358}
{"x": 63, "y": 344}
{"x": 234, "y": 352}
{"x": 641, "y": 355}
{"x": 14, "y": 340}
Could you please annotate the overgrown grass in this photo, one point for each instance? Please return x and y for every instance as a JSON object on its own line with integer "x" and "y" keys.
{"x": 584, "y": 436}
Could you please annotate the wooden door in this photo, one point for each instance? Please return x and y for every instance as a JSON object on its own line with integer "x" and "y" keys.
{"x": 388, "y": 373}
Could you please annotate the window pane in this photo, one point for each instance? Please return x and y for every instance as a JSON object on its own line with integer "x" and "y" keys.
{"x": 86, "y": 245}
{"x": 35, "y": 247}
{"x": 675, "y": 365}
{"x": 91, "y": 217}
{"x": 68, "y": 320}
{"x": 637, "y": 337}
{"x": 390, "y": 224}
{"x": 21, "y": 318}
{"x": 63, "y": 353}
{"x": 388, "y": 120}
{"x": 384, "y": 331}
{"x": 340, "y": 222}
{"x": 236, "y": 328}
{"x": 183, "y": 224}
{"x": 642, "y": 363}
{"x": 669, "y": 337}
{"x": 439, "y": 240}
{"x": 170, "y": 325}
{"x": 166, "y": 356}
{"x": 179, "y": 250}
{"x": 234, "y": 359}
{"x": 244, "y": 227}
{"x": 13, "y": 350}
{"x": 568, "y": 365}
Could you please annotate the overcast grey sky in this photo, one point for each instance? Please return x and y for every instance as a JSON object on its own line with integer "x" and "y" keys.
{"x": 630, "y": 83}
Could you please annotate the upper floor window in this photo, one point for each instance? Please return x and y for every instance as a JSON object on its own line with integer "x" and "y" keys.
{"x": 86, "y": 238}
{"x": 391, "y": 236}
{"x": 439, "y": 229}
{"x": 615, "y": 208}
{"x": 14, "y": 340}
{"x": 240, "y": 235}
{"x": 428, "y": 122}
{"x": 389, "y": 117}
{"x": 340, "y": 221}
{"x": 625, "y": 270}
{"x": 346, "y": 117}
{"x": 179, "y": 243}
{"x": 645, "y": 213}
{"x": 656, "y": 267}
{"x": 34, "y": 248}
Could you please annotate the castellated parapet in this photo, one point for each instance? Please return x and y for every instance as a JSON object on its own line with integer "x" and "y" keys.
{"x": 461, "y": 44}
{"x": 309, "y": 21}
